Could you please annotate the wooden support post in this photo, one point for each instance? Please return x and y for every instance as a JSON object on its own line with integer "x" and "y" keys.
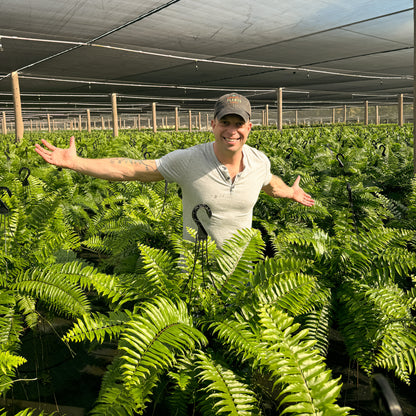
{"x": 3, "y": 124}
{"x": 266, "y": 120}
{"x": 176, "y": 119}
{"x": 333, "y": 116}
{"x": 208, "y": 121}
{"x": 18, "y": 119}
{"x": 377, "y": 116}
{"x": 400, "y": 110}
{"x": 154, "y": 117}
{"x": 102, "y": 123}
{"x": 190, "y": 120}
{"x": 49, "y": 123}
{"x": 366, "y": 112}
{"x": 199, "y": 121}
{"x": 345, "y": 114}
{"x": 79, "y": 123}
{"x": 279, "y": 93}
{"x": 88, "y": 120}
{"x": 139, "y": 126}
{"x": 296, "y": 117}
{"x": 114, "y": 113}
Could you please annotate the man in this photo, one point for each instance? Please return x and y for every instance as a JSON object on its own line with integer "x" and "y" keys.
{"x": 227, "y": 175}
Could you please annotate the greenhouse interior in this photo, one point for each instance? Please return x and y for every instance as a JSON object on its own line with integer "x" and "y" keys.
{"x": 106, "y": 307}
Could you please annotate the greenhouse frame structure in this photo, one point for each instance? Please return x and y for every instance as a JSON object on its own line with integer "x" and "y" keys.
{"x": 162, "y": 64}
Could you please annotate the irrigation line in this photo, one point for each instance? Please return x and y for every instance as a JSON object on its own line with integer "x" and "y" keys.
{"x": 242, "y": 64}
{"x": 133, "y": 84}
{"x": 197, "y": 60}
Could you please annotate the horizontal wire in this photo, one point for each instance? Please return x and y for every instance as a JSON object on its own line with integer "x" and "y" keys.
{"x": 204, "y": 60}
{"x": 131, "y": 84}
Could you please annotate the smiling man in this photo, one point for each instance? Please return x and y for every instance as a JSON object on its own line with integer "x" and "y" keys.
{"x": 227, "y": 174}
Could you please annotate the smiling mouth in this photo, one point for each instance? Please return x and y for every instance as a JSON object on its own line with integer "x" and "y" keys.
{"x": 231, "y": 140}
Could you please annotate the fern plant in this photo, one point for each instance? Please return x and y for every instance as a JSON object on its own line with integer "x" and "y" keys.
{"x": 182, "y": 337}
{"x": 219, "y": 331}
{"x": 41, "y": 276}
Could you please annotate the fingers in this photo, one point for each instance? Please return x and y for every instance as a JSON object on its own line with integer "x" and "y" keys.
{"x": 297, "y": 180}
{"x": 307, "y": 200}
{"x": 45, "y": 154}
{"x": 48, "y": 145}
{"x": 40, "y": 150}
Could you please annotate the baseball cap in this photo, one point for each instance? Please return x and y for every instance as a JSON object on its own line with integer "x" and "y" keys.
{"x": 232, "y": 104}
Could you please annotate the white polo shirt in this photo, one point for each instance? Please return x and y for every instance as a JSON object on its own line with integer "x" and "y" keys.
{"x": 204, "y": 180}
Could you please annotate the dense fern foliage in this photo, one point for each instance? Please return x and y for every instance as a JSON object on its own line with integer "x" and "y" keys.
{"x": 244, "y": 330}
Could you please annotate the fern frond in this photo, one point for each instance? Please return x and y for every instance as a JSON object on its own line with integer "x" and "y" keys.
{"x": 368, "y": 315}
{"x": 270, "y": 270}
{"x": 60, "y": 295}
{"x": 293, "y": 292}
{"x": 9, "y": 362}
{"x": 227, "y": 392}
{"x": 115, "y": 401}
{"x": 10, "y": 322}
{"x": 398, "y": 353}
{"x": 152, "y": 339}
{"x": 237, "y": 258}
{"x": 238, "y": 335}
{"x": 31, "y": 412}
{"x": 98, "y": 327}
{"x": 318, "y": 323}
{"x": 159, "y": 267}
{"x": 88, "y": 277}
{"x": 27, "y": 306}
{"x": 306, "y": 385}
{"x": 184, "y": 384}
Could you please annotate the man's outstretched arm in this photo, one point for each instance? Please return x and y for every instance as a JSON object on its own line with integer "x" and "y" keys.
{"x": 278, "y": 189}
{"x": 113, "y": 169}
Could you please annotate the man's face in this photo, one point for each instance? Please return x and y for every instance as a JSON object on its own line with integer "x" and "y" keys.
{"x": 231, "y": 132}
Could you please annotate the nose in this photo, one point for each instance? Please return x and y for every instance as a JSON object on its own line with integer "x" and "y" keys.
{"x": 232, "y": 128}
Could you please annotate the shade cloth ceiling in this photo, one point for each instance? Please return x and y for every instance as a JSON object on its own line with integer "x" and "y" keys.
{"x": 72, "y": 54}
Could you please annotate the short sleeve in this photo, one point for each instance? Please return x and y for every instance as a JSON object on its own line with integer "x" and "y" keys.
{"x": 174, "y": 165}
{"x": 268, "y": 173}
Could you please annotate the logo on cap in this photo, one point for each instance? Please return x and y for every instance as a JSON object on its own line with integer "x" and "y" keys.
{"x": 233, "y": 104}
